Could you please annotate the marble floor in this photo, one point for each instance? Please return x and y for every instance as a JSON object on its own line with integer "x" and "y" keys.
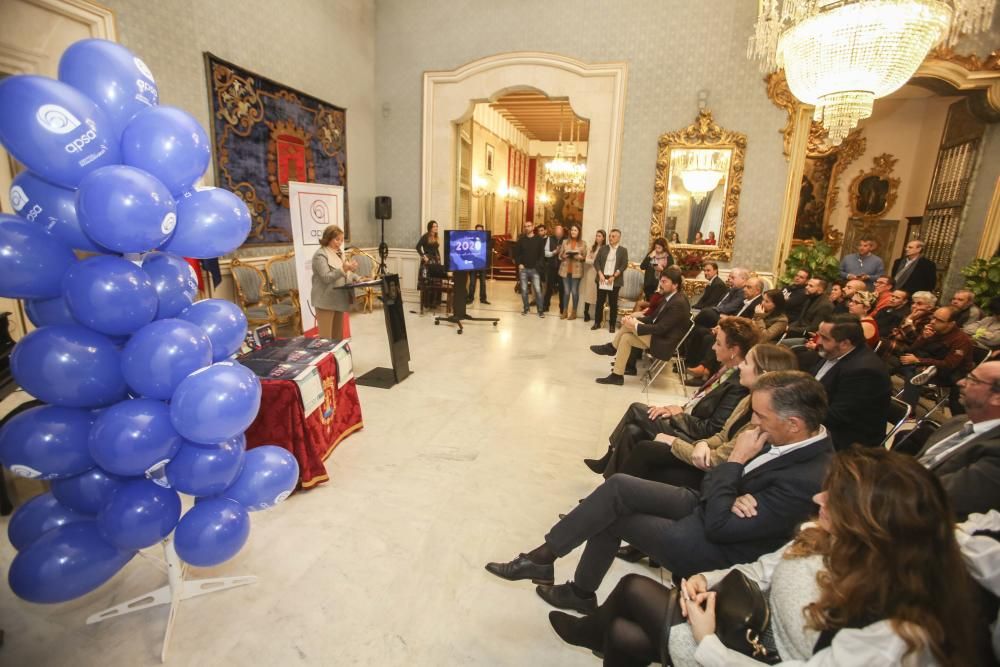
{"x": 468, "y": 460}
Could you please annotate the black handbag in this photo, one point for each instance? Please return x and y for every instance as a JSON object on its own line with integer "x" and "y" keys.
{"x": 741, "y": 618}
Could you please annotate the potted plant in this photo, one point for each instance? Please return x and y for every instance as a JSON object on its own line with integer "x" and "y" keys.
{"x": 817, "y": 258}
{"x": 982, "y": 278}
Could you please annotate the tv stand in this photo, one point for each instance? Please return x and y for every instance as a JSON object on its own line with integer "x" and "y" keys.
{"x": 459, "y": 292}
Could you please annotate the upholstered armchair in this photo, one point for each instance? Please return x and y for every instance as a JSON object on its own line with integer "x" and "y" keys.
{"x": 280, "y": 271}
{"x": 367, "y": 266}
{"x": 631, "y": 289}
{"x": 258, "y": 302}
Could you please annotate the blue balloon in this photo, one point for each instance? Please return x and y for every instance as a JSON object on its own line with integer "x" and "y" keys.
{"x": 223, "y": 321}
{"x": 46, "y": 312}
{"x": 175, "y": 282}
{"x": 70, "y": 366}
{"x": 37, "y": 517}
{"x": 139, "y": 514}
{"x": 200, "y": 470}
{"x": 32, "y": 261}
{"x": 125, "y": 209}
{"x": 47, "y": 442}
{"x": 270, "y": 474}
{"x": 133, "y": 436}
{"x": 112, "y": 76}
{"x": 212, "y": 532}
{"x": 110, "y": 294}
{"x": 65, "y": 563}
{"x": 216, "y": 403}
{"x": 52, "y": 207}
{"x": 163, "y": 353}
{"x": 88, "y": 492}
{"x": 54, "y": 129}
{"x": 210, "y": 223}
{"x": 168, "y": 143}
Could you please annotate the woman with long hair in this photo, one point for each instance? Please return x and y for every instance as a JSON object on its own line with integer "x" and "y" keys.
{"x": 769, "y": 317}
{"x": 572, "y": 253}
{"x": 878, "y": 579}
{"x": 431, "y": 271}
{"x": 657, "y": 259}
{"x": 588, "y": 289}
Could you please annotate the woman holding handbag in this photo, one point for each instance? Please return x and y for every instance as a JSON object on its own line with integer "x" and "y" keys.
{"x": 878, "y": 579}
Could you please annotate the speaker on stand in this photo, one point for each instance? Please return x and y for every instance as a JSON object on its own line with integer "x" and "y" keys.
{"x": 383, "y": 211}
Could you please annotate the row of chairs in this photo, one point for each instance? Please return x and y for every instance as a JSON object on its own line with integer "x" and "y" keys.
{"x": 271, "y": 296}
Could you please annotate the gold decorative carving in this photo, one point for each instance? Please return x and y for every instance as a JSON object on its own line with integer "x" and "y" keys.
{"x": 873, "y": 193}
{"x": 971, "y": 62}
{"x": 704, "y": 133}
{"x": 239, "y": 104}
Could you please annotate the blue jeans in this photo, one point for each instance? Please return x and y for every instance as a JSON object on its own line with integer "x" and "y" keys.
{"x": 536, "y": 282}
{"x": 571, "y": 288}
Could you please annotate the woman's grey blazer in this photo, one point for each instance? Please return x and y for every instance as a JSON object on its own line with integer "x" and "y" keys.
{"x": 325, "y": 278}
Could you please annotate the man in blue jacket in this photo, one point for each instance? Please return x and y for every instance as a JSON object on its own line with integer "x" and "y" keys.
{"x": 746, "y": 507}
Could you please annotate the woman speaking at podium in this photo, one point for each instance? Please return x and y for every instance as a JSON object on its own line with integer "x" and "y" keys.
{"x": 331, "y": 271}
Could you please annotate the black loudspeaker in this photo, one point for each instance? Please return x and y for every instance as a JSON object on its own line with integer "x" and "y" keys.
{"x": 383, "y": 207}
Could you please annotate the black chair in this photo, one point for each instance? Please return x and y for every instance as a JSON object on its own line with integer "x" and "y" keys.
{"x": 899, "y": 412}
{"x": 912, "y": 441}
{"x": 657, "y": 365}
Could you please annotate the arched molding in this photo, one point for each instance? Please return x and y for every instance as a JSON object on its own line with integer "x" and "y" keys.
{"x": 595, "y": 91}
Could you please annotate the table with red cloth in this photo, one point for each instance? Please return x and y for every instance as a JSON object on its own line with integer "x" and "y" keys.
{"x": 282, "y": 420}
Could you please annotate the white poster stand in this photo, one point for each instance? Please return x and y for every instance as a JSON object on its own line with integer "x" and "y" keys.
{"x": 313, "y": 206}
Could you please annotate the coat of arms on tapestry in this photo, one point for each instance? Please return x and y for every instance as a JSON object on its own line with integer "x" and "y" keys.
{"x": 265, "y": 135}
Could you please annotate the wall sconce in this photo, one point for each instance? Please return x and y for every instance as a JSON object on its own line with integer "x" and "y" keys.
{"x": 481, "y": 186}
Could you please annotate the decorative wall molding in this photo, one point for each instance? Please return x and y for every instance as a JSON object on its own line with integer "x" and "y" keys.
{"x": 597, "y": 93}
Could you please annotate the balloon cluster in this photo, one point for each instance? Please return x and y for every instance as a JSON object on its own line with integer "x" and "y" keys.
{"x": 142, "y": 400}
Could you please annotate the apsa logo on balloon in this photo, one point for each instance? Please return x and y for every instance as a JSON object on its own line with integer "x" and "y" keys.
{"x": 168, "y": 224}
{"x": 141, "y": 66}
{"x": 18, "y": 199}
{"x": 56, "y": 119}
{"x": 77, "y": 144}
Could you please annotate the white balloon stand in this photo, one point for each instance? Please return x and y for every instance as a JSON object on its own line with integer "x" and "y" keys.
{"x": 176, "y": 590}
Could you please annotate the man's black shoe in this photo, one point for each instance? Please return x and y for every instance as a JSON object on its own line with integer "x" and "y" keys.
{"x": 484, "y": 302}
{"x": 606, "y": 349}
{"x": 523, "y": 568}
{"x": 562, "y": 596}
{"x": 611, "y": 379}
{"x": 630, "y": 554}
{"x": 631, "y": 370}
{"x": 595, "y": 327}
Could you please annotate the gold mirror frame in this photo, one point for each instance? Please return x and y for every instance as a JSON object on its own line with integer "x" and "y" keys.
{"x": 882, "y": 170}
{"x": 703, "y": 133}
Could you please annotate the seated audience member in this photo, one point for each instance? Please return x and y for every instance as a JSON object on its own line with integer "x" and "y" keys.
{"x": 747, "y": 506}
{"x": 888, "y": 318}
{"x": 860, "y": 304}
{"x": 945, "y": 347}
{"x": 698, "y": 355}
{"x": 672, "y": 459}
{"x": 701, "y": 416}
{"x": 965, "y": 452}
{"x": 851, "y": 287}
{"x": 921, "y": 311}
{"x": 795, "y": 294}
{"x": 770, "y": 316}
{"x": 964, "y": 302}
{"x": 659, "y": 333}
{"x": 730, "y": 304}
{"x": 986, "y": 331}
{"x": 883, "y": 291}
{"x": 837, "y": 296}
{"x": 878, "y": 579}
{"x": 652, "y": 265}
{"x": 856, "y": 382}
{"x": 716, "y": 289}
{"x": 914, "y": 272}
{"x": 817, "y": 308}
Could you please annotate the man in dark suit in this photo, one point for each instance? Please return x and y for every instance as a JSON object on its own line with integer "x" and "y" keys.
{"x": 715, "y": 290}
{"x": 913, "y": 272}
{"x": 746, "y": 507}
{"x": 659, "y": 333}
{"x": 889, "y": 317}
{"x": 856, "y": 382}
{"x": 795, "y": 294}
{"x": 730, "y": 304}
{"x": 698, "y": 354}
{"x": 817, "y": 307}
{"x": 610, "y": 263}
{"x": 965, "y": 452}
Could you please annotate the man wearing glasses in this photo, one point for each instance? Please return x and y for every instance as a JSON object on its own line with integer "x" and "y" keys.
{"x": 883, "y": 292}
{"x": 944, "y": 346}
{"x": 965, "y": 452}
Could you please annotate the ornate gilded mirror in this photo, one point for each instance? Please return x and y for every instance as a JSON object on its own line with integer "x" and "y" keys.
{"x": 874, "y": 192}
{"x": 696, "y": 194}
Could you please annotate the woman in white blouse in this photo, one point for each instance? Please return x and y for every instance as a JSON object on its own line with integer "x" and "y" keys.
{"x": 877, "y": 580}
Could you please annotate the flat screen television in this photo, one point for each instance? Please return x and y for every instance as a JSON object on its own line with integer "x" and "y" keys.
{"x": 466, "y": 249}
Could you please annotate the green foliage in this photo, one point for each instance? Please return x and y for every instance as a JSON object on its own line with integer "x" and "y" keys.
{"x": 817, "y": 258}
{"x": 982, "y": 278}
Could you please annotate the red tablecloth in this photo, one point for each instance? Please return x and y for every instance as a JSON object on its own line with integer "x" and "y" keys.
{"x": 282, "y": 421}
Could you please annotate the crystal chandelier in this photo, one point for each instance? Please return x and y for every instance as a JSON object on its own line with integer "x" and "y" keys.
{"x": 565, "y": 172}
{"x": 841, "y": 55}
{"x": 701, "y": 171}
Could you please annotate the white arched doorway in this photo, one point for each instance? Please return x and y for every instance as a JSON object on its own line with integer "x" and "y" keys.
{"x": 597, "y": 92}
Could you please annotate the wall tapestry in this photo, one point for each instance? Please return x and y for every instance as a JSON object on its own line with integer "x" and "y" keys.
{"x": 266, "y": 134}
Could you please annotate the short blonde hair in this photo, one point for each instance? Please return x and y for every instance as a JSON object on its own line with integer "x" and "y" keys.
{"x": 329, "y": 234}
